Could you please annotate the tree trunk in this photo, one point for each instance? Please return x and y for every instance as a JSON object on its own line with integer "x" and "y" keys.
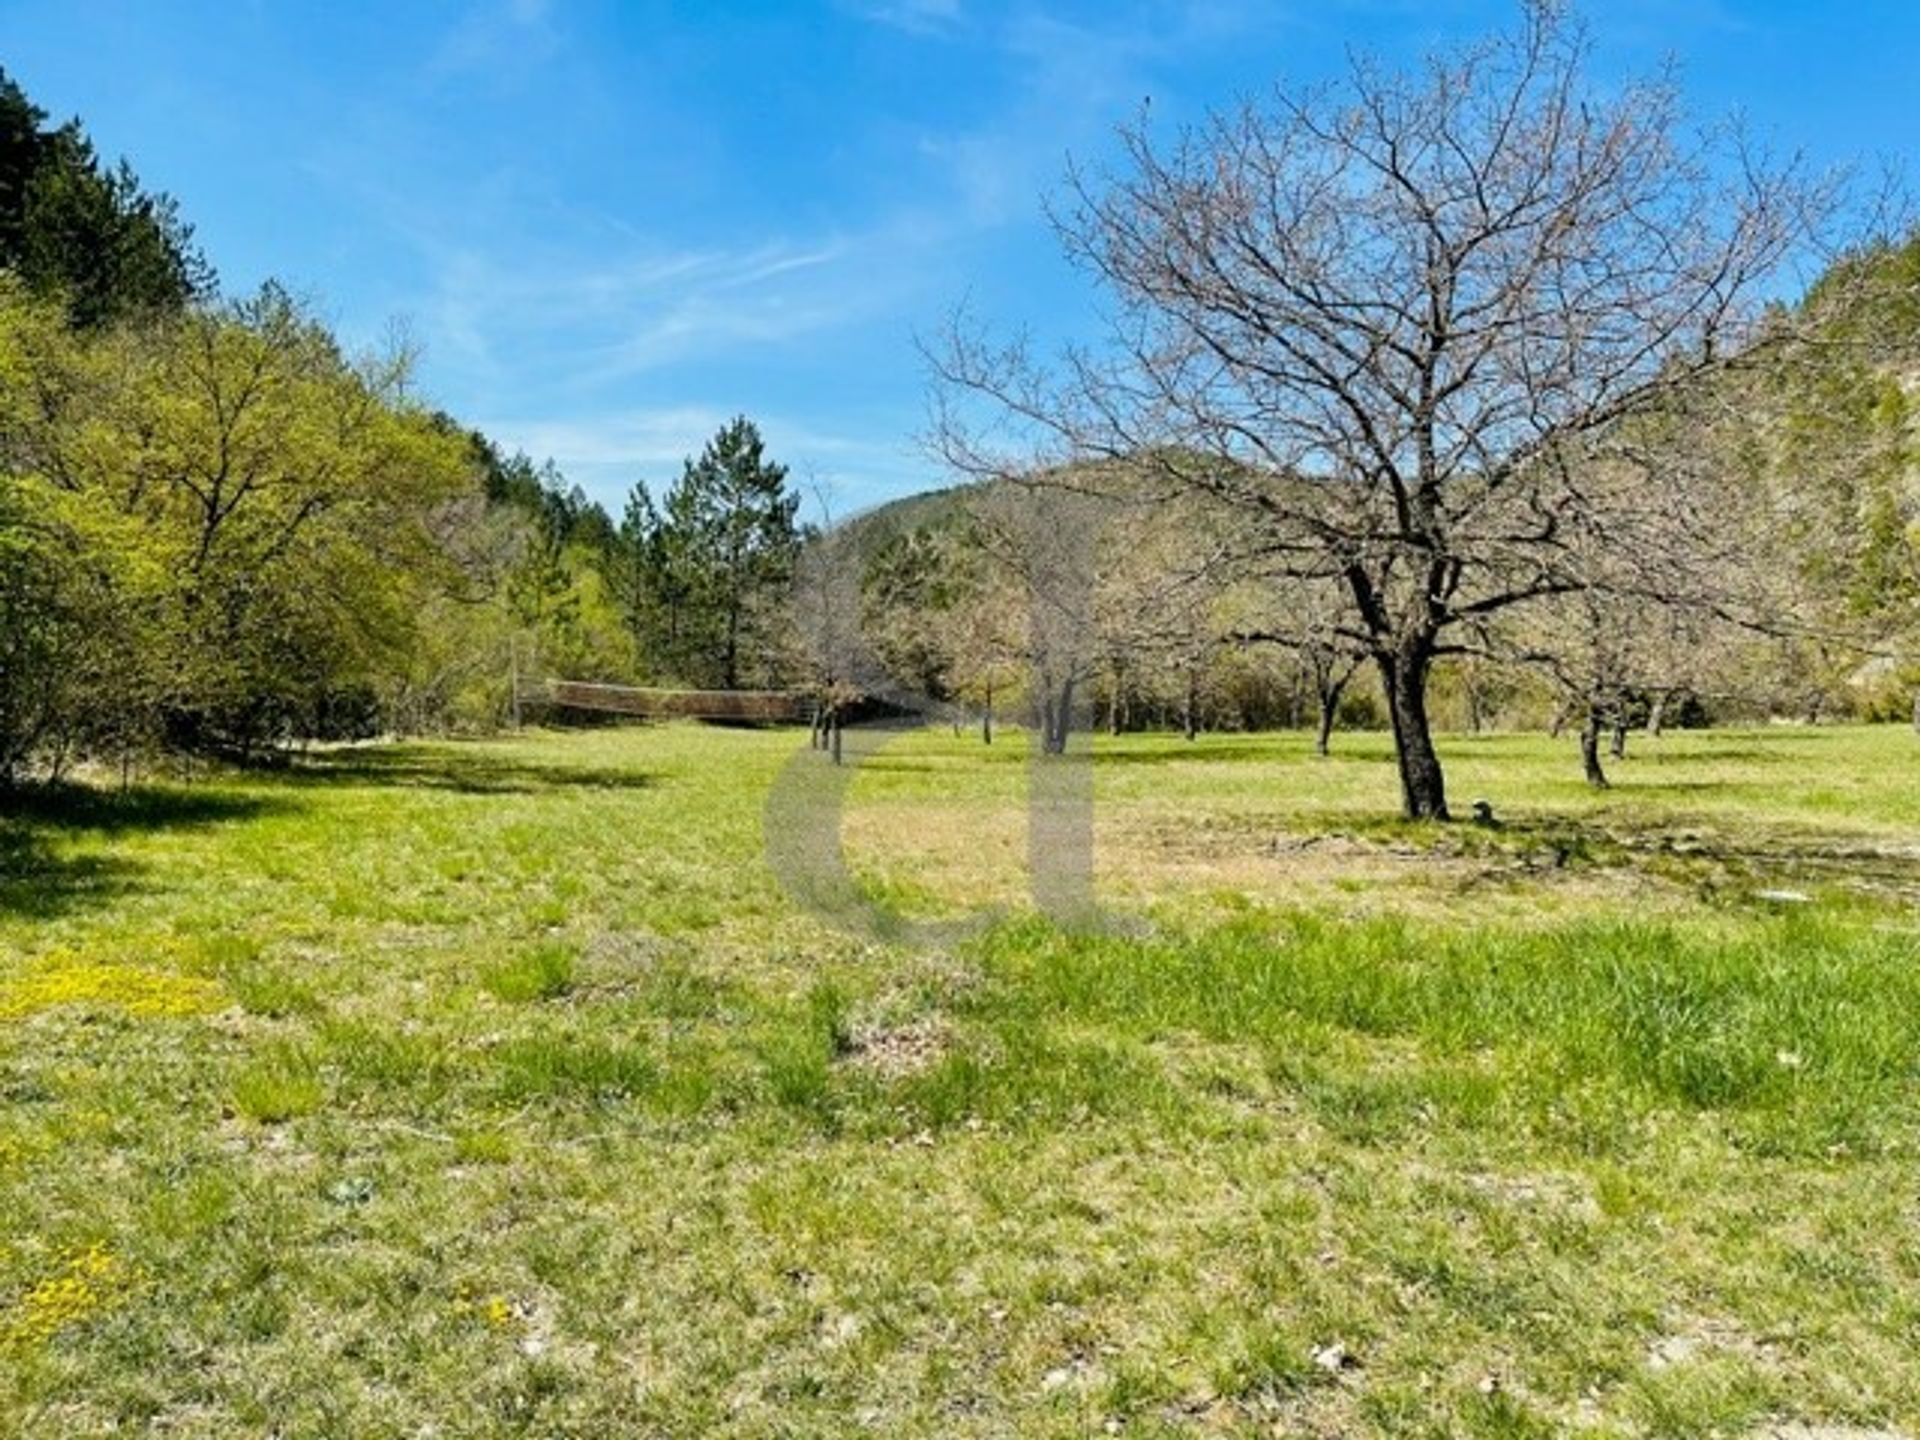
{"x": 1657, "y": 715}
{"x": 1590, "y": 749}
{"x": 833, "y": 732}
{"x": 1619, "y": 738}
{"x": 1057, "y": 719}
{"x": 1558, "y": 723}
{"x": 1329, "y": 712}
{"x": 731, "y": 672}
{"x": 1916, "y": 712}
{"x": 1423, "y": 787}
{"x": 1190, "y": 710}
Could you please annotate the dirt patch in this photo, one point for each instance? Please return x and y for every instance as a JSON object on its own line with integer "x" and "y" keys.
{"x": 1567, "y": 1195}
{"x": 1698, "y": 1337}
{"x": 897, "y": 1050}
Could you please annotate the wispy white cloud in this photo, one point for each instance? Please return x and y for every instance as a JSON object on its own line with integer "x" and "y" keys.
{"x": 603, "y": 321}
{"x": 593, "y": 327}
{"x": 543, "y": 333}
{"x": 916, "y": 17}
{"x": 547, "y": 314}
{"x": 640, "y": 441}
{"x": 1075, "y": 79}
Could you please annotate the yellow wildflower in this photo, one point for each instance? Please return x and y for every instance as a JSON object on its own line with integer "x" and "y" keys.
{"x": 129, "y": 988}
{"x": 87, "y": 1281}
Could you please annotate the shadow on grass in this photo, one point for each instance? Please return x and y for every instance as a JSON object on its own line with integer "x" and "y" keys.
{"x": 39, "y": 881}
{"x": 1276, "y": 747}
{"x": 116, "y": 812}
{"x": 450, "y": 768}
{"x": 1713, "y": 852}
{"x": 38, "y": 884}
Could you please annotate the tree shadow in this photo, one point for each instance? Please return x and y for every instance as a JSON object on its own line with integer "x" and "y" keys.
{"x": 40, "y": 880}
{"x": 465, "y": 773}
{"x": 115, "y": 812}
{"x": 36, "y": 883}
{"x": 1267, "y": 748}
{"x": 1707, "y": 850}
{"x": 1745, "y": 751}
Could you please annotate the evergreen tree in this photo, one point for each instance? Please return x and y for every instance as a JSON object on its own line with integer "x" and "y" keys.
{"x": 561, "y": 580}
{"x": 87, "y": 233}
{"x": 709, "y": 570}
{"x": 650, "y": 584}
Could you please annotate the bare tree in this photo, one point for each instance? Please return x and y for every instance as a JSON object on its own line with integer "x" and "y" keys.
{"x": 1309, "y": 618}
{"x": 1048, "y": 541}
{"x": 1679, "y": 568}
{"x": 826, "y": 608}
{"x": 1382, "y": 321}
{"x": 1168, "y": 599}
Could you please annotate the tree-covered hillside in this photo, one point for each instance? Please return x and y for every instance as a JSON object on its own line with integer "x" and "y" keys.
{"x": 223, "y": 530}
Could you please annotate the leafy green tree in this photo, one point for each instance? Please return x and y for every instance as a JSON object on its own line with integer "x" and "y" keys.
{"x": 217, "y": 523}
{"x": 81, "y": 665}
{"x": 548, "y": 554}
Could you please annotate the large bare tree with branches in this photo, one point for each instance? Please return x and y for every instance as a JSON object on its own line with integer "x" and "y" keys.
{"x": 1384, "y": 321}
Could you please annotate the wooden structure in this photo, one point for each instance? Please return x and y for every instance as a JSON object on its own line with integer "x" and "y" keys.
{"x": 742, "y": 707}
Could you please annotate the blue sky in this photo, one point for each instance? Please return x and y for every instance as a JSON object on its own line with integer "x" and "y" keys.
{"x": 611, "y": 226}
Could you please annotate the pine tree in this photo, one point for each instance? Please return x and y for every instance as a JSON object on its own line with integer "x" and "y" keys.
{"x": 711, "y": 566}
{"x": 89, "y": 233}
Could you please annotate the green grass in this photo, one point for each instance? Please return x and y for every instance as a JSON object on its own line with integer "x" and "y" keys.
{"x": 499, "y": 1089}
{"x": 543, "y": 972}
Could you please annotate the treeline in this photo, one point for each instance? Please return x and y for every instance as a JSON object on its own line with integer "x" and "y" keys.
{"x": 1748, "y": 552}
{"x": 1489, "y": 351}
{"x": 215, "y": 527}
{"x": 965, "y": 608}
{"x": 222, "y": 532}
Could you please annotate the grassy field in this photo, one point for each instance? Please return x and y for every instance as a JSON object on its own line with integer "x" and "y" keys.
{"x": 498, "y": 1089}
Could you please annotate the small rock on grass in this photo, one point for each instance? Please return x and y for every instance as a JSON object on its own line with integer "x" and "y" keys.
{"x": 1334, "y": 1357}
